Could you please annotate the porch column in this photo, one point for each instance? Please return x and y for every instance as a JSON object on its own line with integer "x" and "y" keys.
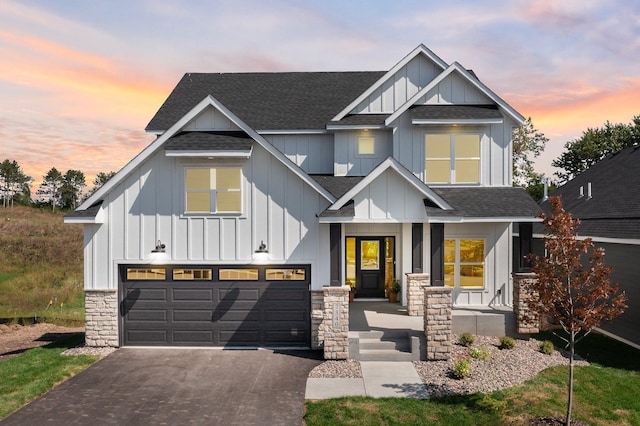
{"x": 416, "y": 248}
{"x": 335, "y": 253}
{"x": 525, "y": 229}
{"x": 437, "y": 254}
{"x": 438, "y": 322}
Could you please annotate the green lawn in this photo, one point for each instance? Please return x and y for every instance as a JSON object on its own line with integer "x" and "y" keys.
{"x": 29, "y": 375}
{"x": 605, "y": 393}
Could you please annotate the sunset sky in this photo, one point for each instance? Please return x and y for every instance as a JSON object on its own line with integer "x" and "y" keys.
{"x": 80, "y": 80}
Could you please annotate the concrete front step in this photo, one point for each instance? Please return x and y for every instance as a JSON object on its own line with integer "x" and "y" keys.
{"x": 384, "y": 355}
{"x": 387, "y": 345}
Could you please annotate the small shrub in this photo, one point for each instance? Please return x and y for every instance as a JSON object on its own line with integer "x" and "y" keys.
{"x": 489, "y": 404}
{"x": 466, "y": 339}
{"x": 480, "y": 352}
{"x": 461, "y": 367}
{"x": 507, "y": 342}
{"x": 546, "y": 347}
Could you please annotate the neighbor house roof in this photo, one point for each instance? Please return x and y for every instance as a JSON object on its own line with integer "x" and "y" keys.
{"x": 612, "y": 210}
{"x": 267, "y": 101}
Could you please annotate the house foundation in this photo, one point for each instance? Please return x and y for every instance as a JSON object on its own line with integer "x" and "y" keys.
{"x": 101, "y": 318}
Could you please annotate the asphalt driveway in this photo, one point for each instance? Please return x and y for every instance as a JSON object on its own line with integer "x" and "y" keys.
{"x": 179, "y": 386}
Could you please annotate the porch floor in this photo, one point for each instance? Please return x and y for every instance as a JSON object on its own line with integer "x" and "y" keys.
{"x": 380, "y": 315}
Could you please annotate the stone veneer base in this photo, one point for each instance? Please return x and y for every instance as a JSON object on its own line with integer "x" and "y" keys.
{"x": 438, "y": 322}
{"x": 101, "y": 318}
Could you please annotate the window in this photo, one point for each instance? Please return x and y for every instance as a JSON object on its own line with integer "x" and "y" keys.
{"x": 146, "y": 273}
{"x": 285, "y": 274}
{"x": 452, "y": 158}
{"x": 464, "y": 263}
{"x": 192, "y": 274}
{"x": 213, "y": 190}
{"x": 238, "y": 274}
{"x": 366, "y": 146}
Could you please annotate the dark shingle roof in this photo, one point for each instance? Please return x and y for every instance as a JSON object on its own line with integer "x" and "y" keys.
{"x": 454, "y": 112}
{"x": 214, "y": 141}
{"x": 361, "y": 119}
{"x": 87, "y": 213}
{"x": 489, "y": 202}
{"x": 337, "y": 185}
{"x": 613, "y": 211}
{"x": 268, "y": 101}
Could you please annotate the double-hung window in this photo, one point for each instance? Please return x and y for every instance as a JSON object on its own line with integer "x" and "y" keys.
{"x": 452, "y": 158}
{"x": 213, "y": 190}
{"x": 464, "y": 263}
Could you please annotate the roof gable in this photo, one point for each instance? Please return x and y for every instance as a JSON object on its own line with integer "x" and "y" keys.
{"x": 390, "y": 164}
{"x": 388, "y": 78}
{"x": 466, "y": 77}
{"x": 177, "y": 127}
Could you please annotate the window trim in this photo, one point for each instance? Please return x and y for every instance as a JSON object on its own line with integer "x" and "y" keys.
{"x": 213, "y": 192}
{"x": 452, "y": 157}
{"x": 457, "y": 264}
{"x": 357, "y": 153}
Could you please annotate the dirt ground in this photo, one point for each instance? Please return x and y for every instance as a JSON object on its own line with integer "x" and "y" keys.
{"x": 15, "y": 339}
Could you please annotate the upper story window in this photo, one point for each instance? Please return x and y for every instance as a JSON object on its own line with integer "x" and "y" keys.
{"x": 213, "y": 190}
{"x": 366, "y": 145}
{"x": 452, "y": 158}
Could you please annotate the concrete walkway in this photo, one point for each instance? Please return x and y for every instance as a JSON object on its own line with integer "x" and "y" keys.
{"x": 379, "y": 379}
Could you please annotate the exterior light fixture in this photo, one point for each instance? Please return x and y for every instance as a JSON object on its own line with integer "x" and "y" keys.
{"x": 262, "y": 254}
{"x": 159, "y": 247}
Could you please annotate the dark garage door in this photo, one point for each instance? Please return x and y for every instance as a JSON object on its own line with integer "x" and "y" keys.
{"x": 265, "y": 306}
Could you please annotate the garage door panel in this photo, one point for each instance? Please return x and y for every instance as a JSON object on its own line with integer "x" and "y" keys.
{"x": 286, "y": 294}
{"x": 192, "y": 337}
{"x": 191, "y": 294}
{"x": 146, "y": 336}
{"x": 215, "y": 313}
{"x": 148, "y": 315}
{"x": 239, "y": 294}
{"x": 192, "y": 315}
{"x": 147, "y": 294}
{"x": 288, "y": 315}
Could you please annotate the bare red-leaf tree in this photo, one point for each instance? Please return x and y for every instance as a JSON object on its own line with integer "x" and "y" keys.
{"x": 573, "y": 284}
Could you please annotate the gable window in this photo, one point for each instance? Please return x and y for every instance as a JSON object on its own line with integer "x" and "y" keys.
{"x": 366, "y": 145}
{"x": 464, "y": 263}
{"x": 213, "y": 190}
{"x": 452, "y": 158}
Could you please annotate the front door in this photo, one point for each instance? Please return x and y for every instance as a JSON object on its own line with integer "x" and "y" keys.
{"x": 370, "y": 263}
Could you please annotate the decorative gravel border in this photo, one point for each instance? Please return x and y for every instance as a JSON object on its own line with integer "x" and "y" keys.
{"x": 504, "y": 368}
{"x": 89, "y": 350}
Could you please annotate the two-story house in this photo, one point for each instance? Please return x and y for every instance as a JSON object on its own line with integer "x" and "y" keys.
{"x": 262, "y": 188}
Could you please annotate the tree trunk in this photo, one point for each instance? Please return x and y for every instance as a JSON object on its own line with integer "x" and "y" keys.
{"x": 570, "y": 399}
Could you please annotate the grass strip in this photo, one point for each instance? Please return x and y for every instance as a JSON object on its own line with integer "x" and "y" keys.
{"x": 32, "y": 373}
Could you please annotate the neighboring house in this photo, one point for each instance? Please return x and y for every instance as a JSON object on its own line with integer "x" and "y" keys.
{"x": 606, "y": 199}
{"x": 330, "y": 177}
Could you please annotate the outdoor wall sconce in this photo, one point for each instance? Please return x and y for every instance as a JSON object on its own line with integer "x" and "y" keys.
{"x": 159, "y": 247}
{"x": 262, "y": 254}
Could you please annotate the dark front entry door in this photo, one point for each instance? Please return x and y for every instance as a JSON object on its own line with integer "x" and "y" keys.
{"x": 370, "y": 266}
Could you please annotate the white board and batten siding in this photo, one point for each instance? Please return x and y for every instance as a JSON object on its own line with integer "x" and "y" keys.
{"x": 312, "y": 153}
{"x": 347, "y": 160}
{"x": 211, "y": 119}
{"x": 400, "y": 87}
{"x": 278, "y": 208}
{"x": 389, "y": 199}
{"x": 454, "y": 90}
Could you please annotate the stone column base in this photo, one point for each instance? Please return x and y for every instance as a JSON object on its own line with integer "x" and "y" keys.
{"x": 101, "y": 318}
{"x": 336, "y": 322}
{"x": 317, "y": 319}
{"x": 528, "y": 322}
{"x": 437, "y": 322}
{"x": 415, "y": 293}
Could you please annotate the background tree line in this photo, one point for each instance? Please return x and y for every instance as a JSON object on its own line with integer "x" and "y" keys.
{"x": 57, "y": 190}
{"x": 66, "y": 191}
